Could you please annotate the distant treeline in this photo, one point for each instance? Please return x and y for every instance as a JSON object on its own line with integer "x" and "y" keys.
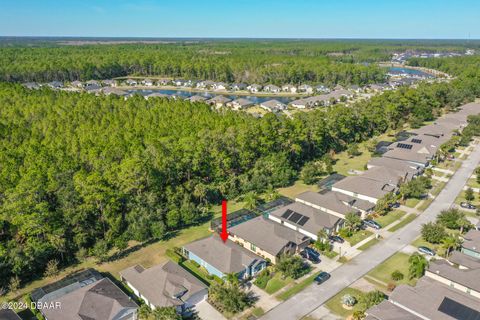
{"x": 80, "y": 174}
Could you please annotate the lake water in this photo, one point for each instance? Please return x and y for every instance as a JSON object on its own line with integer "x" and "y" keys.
{"x": 413, "y": 72}
{"x": 187, "y": 94}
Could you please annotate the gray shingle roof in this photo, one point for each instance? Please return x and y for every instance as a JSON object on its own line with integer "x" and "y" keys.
{"x": 364, "y": 186}
{"x": 471, "y": 240}
{"x": 8, "y": 314}
{"x": 163, "y": 285}
{"x": 464, "y": 260}
{"x": 469, "y": 278}
{"x": 330, "y": 200}
{"x": 427, "y": 296}
{"x": 388, "y": 311}
{"x": 101, "y": 300}
{"x": 267, "y": 235}
{"x": 317, "y": 219}
{"x": 226, "y": 257}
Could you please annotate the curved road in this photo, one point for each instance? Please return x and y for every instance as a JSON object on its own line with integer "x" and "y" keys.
{"x": 314, "y": 296}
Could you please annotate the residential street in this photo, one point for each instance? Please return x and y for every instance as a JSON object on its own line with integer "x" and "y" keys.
{"x": 314, "y": 296}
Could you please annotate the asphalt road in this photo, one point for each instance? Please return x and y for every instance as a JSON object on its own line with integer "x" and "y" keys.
{"x": 314, "y": 296}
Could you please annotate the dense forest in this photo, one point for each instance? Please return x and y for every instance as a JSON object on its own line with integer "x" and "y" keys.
{"x": 80, "y": 174}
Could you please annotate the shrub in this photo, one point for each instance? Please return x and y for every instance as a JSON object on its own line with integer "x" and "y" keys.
{"x": 292, "y": 266}
{"x": 391, "y": 286}
{"x": 433, "y": 232}
{"x": 262, "y": 279}
{"x": 174, "y": 256}
{"x": 195, "y": 263}
{"x": 397, "y": 275}
{"x": 371, "y": 299}
{"x": 349, "y": 300}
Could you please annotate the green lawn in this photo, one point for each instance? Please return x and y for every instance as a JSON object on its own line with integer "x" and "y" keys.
{"x": 369, "y": 244}
{"x": 461, "y": 198}
{"x": 390, "y": 217}
{"x": 472, "y": 182}
{"x": 439, "y": 187}
{"x": 398, "y": 261}
{"x": 420, "y": 242}
{"x": 403, "y": 223}
{"x": 412, "y": 202}
{"x": 425, "y": 203}
{"x": 335, "y": 303}
{"x": 198, "y": 272}
{"x": 277, "y": 283}
{"x": 297, "y": 188}
{"x": 358, "y": 236}
{"x": 296, "y": 288}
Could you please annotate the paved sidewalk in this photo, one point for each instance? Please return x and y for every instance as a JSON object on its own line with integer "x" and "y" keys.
{"x": 207, "y": 312}
{"x": 306, "y": 301}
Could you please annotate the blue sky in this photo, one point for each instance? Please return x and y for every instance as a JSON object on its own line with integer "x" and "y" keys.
{"x": 242, "y": 18}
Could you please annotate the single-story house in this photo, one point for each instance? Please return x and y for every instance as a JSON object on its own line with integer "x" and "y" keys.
{"x": 179, "y": 82}
{"x": 254, "y": 88}
{"x": 220, "y": 258}
{"x": 9, "y": 314}
{"x": 465, "y": 280}
{"x": 220, "y": 86}
{"x": 271, "y": 88}
{"x": 273, "y": 105}
{"x": 267, "y": 238}
{"x": 464, "y": 261}
{"x": 218, "y": 101}
{"x": 289, "y": 88}
{"x": 131, "y": 82}
{"x": 77, "y": 84}
{"x": 417, "y": 155}
{"x": 206, "y": 84}
{"x": 163, "y": 82}
{"x": 388, "y": 175}
{"x": 471, "y": 244}
{"x": 31, "y": 85}
{"x": 306, "y": 219}
{"x": 398, "y": 165}
{"x": 147, "y": 82}
{"x": 300, "y": 104}
{"x": 109, "y": 83}
{"x": 322, "y": 89}
{"x": 166, "y": 285}
{"x": 305, "y": 88}
{"x": 238, "y": 86}
{"x": 355, "y": 88}
{"x": 197, "y": 98}
{"x": 84, "y": 295}
{"x": 335, "y": 203}
{"x": 240, "y": 103}
{"x": 93, "y": 88}
{"x": 156, "y": 95}
{"x": 363, "y": 188}
{"x": 55, "y": 84}
{"x": 430, "y": 299}
{"x": 108, "y": 91}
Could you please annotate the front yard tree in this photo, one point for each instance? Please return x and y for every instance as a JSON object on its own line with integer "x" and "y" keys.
{"x": 228, "y": 298}
{"x": 291, "y": 266}
{"x": 450, "y": 243}
{"x": 166, "y": 313}
{"x": 383, "y": 205}
{"x": 353, "y": 150}
{"x": 371, "y": 299}
{"x": 469, "y": 196}
{"x": 417, "y": 265}
{"x": 353, "y": 222}
{"x": 433, "y": 232}
{"x": 451, "y": 218}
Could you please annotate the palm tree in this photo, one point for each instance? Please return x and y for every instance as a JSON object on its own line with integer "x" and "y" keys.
{"x": 448, "y": 244}
{"x": 352, "y": 221}
{"x": 250, "y": 200}
{"x": 463, "y": 223}
{"x": 231, "y": 279}
{"x": 322, "y": 235}
{"x": 418, "y": 263}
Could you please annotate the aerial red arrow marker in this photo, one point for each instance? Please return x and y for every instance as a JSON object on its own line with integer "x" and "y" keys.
{"x": 224, "y": 234}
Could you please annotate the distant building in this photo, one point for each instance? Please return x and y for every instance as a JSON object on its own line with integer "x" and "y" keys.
{"x": 238, "y": 86}
{"x": 289, "y": 88}
{"x": 240, "y": 104}
{"x": 271, "y": 88}
{"x": 305, "y": 88}
{"x": 254, "y": 88}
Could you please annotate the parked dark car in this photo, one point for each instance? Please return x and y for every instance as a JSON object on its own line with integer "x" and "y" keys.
{"x": 467, "y": 205}
{"x": 336, "y": 239}
{"x": 372, "y": 224}
{"x": 395, "y": 205}
{"x": 322, "y": 277}
{"x": 312, "y": 251}
{"x": 310, "y": 257}
{"x": 426, "y": 250}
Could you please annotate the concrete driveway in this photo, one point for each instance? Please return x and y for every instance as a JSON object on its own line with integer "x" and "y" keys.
{"x": 206, "y": 312}
{"x": 313, "y": 297}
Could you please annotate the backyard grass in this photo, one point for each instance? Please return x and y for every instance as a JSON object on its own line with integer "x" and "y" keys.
{"x": 335, "y": 303}
{"x": 297, "y": 188}
{"x": 358, "y": 236}
{"x": 145, "y": 254}
{"x": 296, "y": 288}
{"x": 389, "y": 218}
{"x": 383, "y": 271}
{"x": 412, "y": 202}
{"x": 277, "y": 283}
{"x": 198, "y": 272}
{"x": 368, "y": 244}
{"x": 403, "y": 223}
